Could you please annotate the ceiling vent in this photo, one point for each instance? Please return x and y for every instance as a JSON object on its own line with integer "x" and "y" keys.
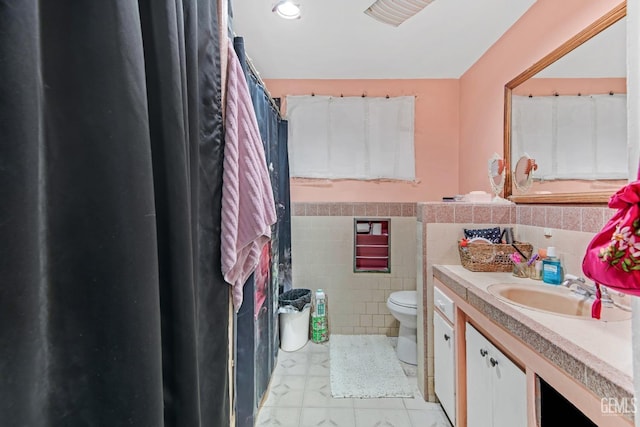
{"x": 395, "y": 12}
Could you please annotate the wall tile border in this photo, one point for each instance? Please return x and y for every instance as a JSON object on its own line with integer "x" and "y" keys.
{"x": 384, "y": 209}
{"x": 574, "y": 218}
{"x": 475, "y": 213}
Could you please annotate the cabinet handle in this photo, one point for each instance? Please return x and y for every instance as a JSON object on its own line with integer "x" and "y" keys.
{"x": 493, "y": 361}
{"x": 483, "y": 352}
{"x": 446, "y": 337}
{"x": 440, "y": 305}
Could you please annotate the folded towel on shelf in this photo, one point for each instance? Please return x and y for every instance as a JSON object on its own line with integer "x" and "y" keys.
{"x": 477, "y": 197}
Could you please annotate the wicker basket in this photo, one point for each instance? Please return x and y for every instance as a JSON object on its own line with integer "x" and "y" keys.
{"x": 491, "y": 257}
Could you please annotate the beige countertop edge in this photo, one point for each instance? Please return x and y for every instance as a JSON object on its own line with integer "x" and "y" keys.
{"x": 586, "y": 368}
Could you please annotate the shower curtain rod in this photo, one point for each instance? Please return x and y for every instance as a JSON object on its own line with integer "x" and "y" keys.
{"x": 255, "y": 74}
{"x": 577, "y": 94}
{"x": 363, "y": 95}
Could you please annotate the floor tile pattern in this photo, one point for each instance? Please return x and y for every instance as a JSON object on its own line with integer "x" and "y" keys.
{"x": 300, "y": 396}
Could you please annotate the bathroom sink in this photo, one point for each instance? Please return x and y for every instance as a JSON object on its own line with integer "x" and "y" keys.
{"x": 553, "y": 299}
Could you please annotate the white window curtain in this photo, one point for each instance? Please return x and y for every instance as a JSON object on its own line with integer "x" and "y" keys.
{"x": 351, "y": 137}
{"x": 572, "y": 137}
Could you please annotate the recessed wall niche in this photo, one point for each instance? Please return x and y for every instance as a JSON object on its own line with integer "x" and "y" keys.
{"x": 371, "y": 245}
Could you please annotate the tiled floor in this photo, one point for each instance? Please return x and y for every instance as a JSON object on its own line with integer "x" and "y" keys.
{"x": 300, "y": 396}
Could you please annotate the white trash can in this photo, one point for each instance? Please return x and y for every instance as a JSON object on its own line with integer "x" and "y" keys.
{"x": 294, "y": 329}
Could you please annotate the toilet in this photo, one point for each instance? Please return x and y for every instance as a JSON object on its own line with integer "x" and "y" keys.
{"x": 403, "y": 306}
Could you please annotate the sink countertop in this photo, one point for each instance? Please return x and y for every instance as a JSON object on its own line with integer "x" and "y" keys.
{"x": 597, "y": 354}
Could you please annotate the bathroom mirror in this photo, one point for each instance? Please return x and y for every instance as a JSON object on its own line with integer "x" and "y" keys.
{"x": 564, "y": 72}
{"x": 523, "y": 173}
{"x": 496, "y": 177}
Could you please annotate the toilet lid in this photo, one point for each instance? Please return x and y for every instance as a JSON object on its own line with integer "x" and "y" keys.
{"x": 407, "y": 299}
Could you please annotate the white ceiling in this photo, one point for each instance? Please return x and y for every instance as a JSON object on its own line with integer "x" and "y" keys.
{"x": 334, "y": 39}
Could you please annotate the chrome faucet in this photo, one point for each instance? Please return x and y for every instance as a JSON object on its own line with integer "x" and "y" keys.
{"x": 581, "y": 285}
{"x": 582, "y": 288}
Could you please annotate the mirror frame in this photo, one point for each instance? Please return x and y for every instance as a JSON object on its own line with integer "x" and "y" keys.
{"x": 601, "y": 197}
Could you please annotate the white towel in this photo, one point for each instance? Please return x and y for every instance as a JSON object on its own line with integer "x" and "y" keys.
{"x": 248, "y": 208}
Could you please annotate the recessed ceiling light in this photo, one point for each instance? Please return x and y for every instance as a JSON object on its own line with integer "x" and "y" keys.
{"x": 287, "y": 9}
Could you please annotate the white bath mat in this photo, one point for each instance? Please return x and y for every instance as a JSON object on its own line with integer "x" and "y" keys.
{"x": 365, "y": 366}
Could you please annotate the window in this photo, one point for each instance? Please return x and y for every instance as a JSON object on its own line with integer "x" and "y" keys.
{"x": 351, "y": 137}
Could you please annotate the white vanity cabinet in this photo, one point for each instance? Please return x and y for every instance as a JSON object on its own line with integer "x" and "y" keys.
{"x": 444, "y": 354}
{"x": 496, "y": 387}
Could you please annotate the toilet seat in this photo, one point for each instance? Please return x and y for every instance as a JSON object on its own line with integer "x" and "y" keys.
{"x": 407, "y": 299}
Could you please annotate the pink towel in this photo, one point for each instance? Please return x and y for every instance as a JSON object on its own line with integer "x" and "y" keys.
{"x": 248, "y": 209}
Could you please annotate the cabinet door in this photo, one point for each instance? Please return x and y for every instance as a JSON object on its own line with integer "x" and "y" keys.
{"x": 444, "y": 363}
{"x": 479, "y": 398}
{"x": 509, "y": 391}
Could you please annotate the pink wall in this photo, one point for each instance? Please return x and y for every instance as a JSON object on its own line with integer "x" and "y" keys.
{"x": 436, "y": 141}
{"x": 546, "y": 25}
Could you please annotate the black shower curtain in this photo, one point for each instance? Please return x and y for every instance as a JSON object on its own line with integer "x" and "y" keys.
{"x": 257, "y": 321}
{"x": 113, "y": 309}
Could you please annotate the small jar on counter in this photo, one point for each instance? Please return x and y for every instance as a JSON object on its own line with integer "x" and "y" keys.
{"x": 535, "y": 270}
{"x": 520, "y": 269}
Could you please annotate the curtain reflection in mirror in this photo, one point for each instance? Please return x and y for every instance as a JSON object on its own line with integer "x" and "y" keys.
{"x": 572, "y": 137}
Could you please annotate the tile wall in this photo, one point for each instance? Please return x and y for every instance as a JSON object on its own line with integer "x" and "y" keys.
{"x": 441, "y": 224}
{"x": 322, "y": 257}
{"x": 422, "y": 234}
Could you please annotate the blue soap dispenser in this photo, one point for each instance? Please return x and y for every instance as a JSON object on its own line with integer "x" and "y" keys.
{"x": 552, "y": 268}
